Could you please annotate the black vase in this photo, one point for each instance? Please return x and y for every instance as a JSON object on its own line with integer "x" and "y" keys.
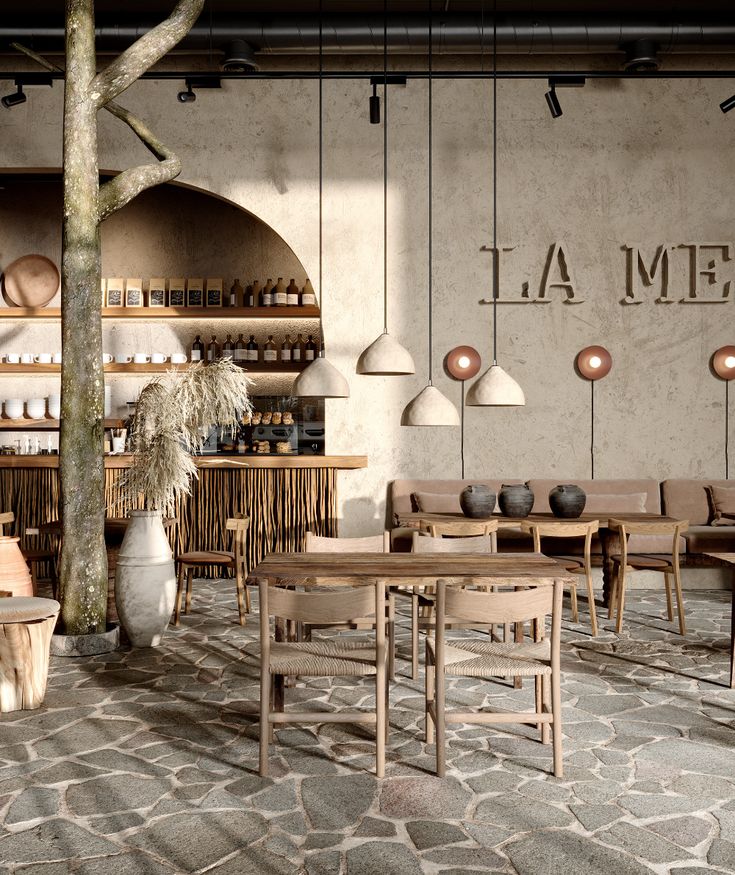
{"x": 567, "y": 501}
{"x": 477, "y": 501}
{"x": 515, "y": 500}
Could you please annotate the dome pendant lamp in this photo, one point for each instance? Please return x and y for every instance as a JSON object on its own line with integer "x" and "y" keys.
{"x": 495, "y": 388}
{"x": 320, "y": 379}
{"x": 430, "y": 406}
{"x": 385, "y": 356}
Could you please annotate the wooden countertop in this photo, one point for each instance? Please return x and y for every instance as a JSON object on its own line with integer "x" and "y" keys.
{"x": 232, "y": 462}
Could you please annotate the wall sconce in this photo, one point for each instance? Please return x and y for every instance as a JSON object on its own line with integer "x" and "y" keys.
{"x": 462, "y": 363}
{"x": 723, "y": 364}
{"x": 593, "y": 363}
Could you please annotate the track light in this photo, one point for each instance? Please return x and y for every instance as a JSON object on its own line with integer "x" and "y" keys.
{"x": 375, "y": 106}
{"x": 189, "y": 96}
{"x": 19, "y": 97}
{"x": 555, "y": 82}
{"x": 725, "y": 106}
{"x": 14, "y": 99}
{"x": 553, "y": 102}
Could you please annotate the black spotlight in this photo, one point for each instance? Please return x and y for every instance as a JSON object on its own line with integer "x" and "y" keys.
{"x": 560, "y": 82}
{"x": 725, "y": 106}
{"x": 239, "y": 57}
{"x": 14, "y": 99}
{"x": 553, "y": 101}
{"x": 375, "y": 106}
{"x": 188, "y": 96}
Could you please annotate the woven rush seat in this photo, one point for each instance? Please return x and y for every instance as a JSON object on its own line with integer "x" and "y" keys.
{"x": 207, "y": 557}
{"x": 479, "y": 658}
{"x": 642, "y": 561}
{"x": 324, "y": 658}
{"x": 27, "y": 609}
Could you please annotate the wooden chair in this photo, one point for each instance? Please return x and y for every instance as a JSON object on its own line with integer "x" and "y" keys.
{"x": 230, "y": 560}
{"x": 484, "y": 658}
{"x": 581, "y": 565}
{"x": 33, "y": 557}
{"x": 370, "y": 544}
{"x": 333, "y": 658}
{"x": 422, "y": 602}
{"x": 667, "y": 565}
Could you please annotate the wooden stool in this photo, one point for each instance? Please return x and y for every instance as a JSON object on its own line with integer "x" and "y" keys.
{"x": 26, "y": 626}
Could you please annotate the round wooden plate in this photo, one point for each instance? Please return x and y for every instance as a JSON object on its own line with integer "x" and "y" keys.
{"x": 31, "y": 281}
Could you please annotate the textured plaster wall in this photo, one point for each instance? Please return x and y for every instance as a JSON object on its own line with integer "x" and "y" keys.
{"x": 639, "y": 163}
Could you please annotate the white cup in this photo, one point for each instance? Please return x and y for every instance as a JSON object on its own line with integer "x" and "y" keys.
{"x": 36, "y": 408}
{"x": 118, "y": 444}
{"x": 158, "y": 358}
{"x": 57, "y": 358}
{"x": 26, "y": 358}
{"x": 43, "y": 358}
{"x": 14, "y": 408}
{"x": 123, "y": 359}
{"x": 141, "y": 358}
{"x": 54, "y": 406}
{"x": 178, "y": 358}
{"x": 12, "y": 358}
{"x": 107, "y": 357}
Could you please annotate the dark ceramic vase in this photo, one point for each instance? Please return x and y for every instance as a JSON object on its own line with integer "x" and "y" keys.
{"x": 567, "y": 501}
{"x": 477, "y": 501}
{"x": 515, "y": 500}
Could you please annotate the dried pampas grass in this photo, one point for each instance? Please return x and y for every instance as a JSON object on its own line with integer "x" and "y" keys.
{"x": 173, "y": 417}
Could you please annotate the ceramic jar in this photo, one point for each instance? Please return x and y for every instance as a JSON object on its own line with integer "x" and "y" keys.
{"x": 14, "y": 408}
{"x": 567, "y": 500}
{"x": 477, "y": 501}
{"x": 515, "y": 500}
{"x": 15, "y": 577}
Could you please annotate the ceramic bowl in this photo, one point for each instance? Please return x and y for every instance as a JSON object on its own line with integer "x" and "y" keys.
{"x": 14, "y": 408}
{"x": 36, "y": 408}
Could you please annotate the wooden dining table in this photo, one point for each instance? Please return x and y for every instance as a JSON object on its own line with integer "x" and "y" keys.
{"x": 609, "y": 538}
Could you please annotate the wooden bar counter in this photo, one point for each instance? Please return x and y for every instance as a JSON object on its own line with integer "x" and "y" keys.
{"x": 284, "y": 496}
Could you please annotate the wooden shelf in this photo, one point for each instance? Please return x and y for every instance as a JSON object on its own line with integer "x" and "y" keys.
{"x": 132, "y": 368}
{"x": 232, "y": 463}
{"x": 147, "y": 313}
{"x": 44, "y": 424}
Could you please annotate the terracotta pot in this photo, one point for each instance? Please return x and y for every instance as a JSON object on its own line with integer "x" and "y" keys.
{"x": 567, "y": 500}
{"x": 477, "y": 501}
{"x": 15, "y": 577}
{"x": 145, "y": 579}
{"x": 515, "y": 500}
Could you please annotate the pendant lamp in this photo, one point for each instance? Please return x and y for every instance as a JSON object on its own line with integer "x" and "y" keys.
{"x": 495, "y": 388}
{"x": 385, "y": 356}
{"x": 320, "y": 379}
{"x": 430, "y": 406}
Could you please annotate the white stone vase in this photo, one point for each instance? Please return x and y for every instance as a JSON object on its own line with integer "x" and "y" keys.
{"x": 145, "y": 579}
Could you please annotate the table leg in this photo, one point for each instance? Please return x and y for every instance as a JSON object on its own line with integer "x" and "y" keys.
{"x": 610, "y": 543}
{"x": 278, "y": 680}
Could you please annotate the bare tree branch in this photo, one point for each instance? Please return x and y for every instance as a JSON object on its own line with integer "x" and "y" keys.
{"x": 145, "y": 52}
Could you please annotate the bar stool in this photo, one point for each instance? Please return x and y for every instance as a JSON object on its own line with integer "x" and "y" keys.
{"x": 228, "y": 560}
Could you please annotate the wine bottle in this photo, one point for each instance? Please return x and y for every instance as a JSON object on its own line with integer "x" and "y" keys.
{"x": 240, "y": 350}
{"x": 286, "y": 349}
{"x": 270, "y": 354}
{"x": 228, "y": 347}
{"x": 235, "y": 299}
{"x": 310, "y": 350}
{"x": 254, "y": 294}
{"x": 308, "y": 298}
{"x": 297, "y": 350}
{"x": 197, "y": 350}
{"x": 252, "y": 350}
{"x": 212, "y": 350}
{"x": 266, "y": 294}
{"x": 292, "y": 294}
{"x": 280, "y": 299}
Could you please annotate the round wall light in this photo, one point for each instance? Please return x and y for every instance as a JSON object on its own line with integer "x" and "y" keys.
{"x": 462, "y": 362}
{"x": 593, "y": 362}
{"x": 723, "y": 362}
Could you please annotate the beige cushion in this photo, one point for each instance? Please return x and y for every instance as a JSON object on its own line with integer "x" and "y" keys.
{"x": 541, "y": 489}
{"x": 630, "y": 502}
{"x": 25, "y": 609}
{"x": 435, "y": 502}
{"x": 722, "y": 501}
{"x": 687, "y": 499}
{"x": 400, "y": 491}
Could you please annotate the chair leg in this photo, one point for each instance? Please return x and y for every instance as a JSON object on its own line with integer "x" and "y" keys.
{"x": 556, "y": 725}
{"x": 248, "y": 606}
{"x": 439, "y": 703}
{"x": 621, "y": 599}
{"x": 546, "y": 703}
{"x": 679, "y": 603}
{"x": 613, "y": 596}
{"x": 430, "y": 696}
{"x": 669, "y": 605}
{"x": 241, "y": 589}
{"x": 539, "y": 701}
{"x": 414, "y": 636}
{"x": 591, "y": 602}
{"x": 189, "y": 580}
{"x": 573, "y": 600}
{"x": 179, "y": 592}
{"x": 266, "y": 687}
{"x": 391, "y": 636}
{"x": 380, "y": 720}
{"x": 34, "y": 577}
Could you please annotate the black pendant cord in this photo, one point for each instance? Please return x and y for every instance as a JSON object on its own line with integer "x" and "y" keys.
{"x": 385, "y": 166}
{"x": 592, "y": 429}
{"x": 431, "y": 331}
{"x": 461, "y": 431}
{"x": 495, "y": 183}
{"x": 727, "y": 429}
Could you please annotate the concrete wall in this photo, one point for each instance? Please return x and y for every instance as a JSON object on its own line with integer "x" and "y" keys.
{"x": 629, "y": 163}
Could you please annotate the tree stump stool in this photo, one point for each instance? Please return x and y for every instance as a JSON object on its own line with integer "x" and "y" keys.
{"x": 26, "y": 626}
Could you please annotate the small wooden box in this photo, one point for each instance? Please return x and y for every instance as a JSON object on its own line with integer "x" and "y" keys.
{"x": 134, "y": 292}
{"x": 157, "y": 292}
{"x": 176, "y": 292}
{"x": 214, "y": 292}
{"x": 195, "y": 292}
{"x": 115, "y": 293}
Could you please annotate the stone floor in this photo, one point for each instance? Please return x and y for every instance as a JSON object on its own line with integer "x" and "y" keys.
{"x": 145, "y": 762}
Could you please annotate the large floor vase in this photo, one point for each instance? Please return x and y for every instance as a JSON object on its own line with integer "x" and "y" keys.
{"x": 145, "y": 579}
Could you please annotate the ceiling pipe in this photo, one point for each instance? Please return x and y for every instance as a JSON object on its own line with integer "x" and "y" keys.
{"x": 454, "y": 33}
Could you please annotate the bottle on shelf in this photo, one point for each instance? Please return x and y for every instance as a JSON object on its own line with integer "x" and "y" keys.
{"x": 228, "y": 348}
{"x": 212, "y": 349}
{"x": 298, "y": 351}
{"x": 240, "y": 355}
{"x": 235, "y": 298}
{"x": 280, "y": 298}
{"x": 254, "y": 299}
{"x": 310, "y": 350}
{"x": 266, "y": 294}
{"x": 308, "y": 297}
{"x": 197, "y": 350}
{"x": 270, "y": 353}
{"x": 252, "y": 350}
{"x": 286, "y": 349}
{"x": 292, "y": 294}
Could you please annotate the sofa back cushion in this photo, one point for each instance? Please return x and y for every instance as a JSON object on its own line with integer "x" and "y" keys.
{"x": 687, "y": 499}
{"x": 722, "y": 505}
{"x": 400, "y": 491}
{"x": 435, "y": 502}
{"x": 625, "y": 502}
{"x": 617, "y": 488}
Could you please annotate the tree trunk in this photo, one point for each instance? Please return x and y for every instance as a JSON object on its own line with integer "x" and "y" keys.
{"x": 83, "y": 572}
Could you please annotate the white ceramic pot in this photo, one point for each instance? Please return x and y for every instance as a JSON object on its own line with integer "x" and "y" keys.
{"x": 145, "y": 579}
{"x": 36, "y": 408}
{"x": 54, "y": 406}
{"x": 14, "y": 408}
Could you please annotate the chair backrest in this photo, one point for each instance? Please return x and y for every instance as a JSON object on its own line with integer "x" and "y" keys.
{"x": 674, "y": 528}
{"x": 337, "y": 605}
{"x": 6, "y": 519}
{"x": 428, "y": 544}
{"x": 370, "y": 544}
{"x": 238, "y": 525}
{"x": 459, "y": 528}
{"x": 566, "y": 529}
